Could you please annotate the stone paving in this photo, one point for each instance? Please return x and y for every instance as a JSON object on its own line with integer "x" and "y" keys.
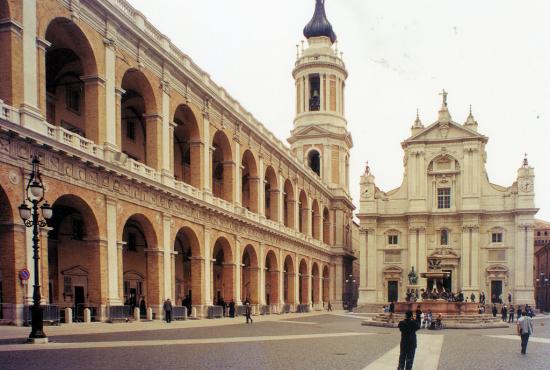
{"x": 301, "y": 341}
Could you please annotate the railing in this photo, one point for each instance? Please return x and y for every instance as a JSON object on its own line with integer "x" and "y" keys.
{"x": 51, "y": 314}
{"x": 215, "y": 312}
{"x": 9, "y": 113}
{"x": 119, "y": 312}
{"x": 265, "y": 310}
{"x": 179, "y": 313}
{"x": 286, "y": 308}
{"x": 141, "y": 169}
{"x": 240, "y": 310}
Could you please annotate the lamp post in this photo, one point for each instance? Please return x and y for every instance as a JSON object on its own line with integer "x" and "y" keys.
{"x": 350, "y": 287}
{"x": 34, "y": 193}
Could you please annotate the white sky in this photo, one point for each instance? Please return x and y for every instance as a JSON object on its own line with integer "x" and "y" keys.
{"x": 400, "y": 54}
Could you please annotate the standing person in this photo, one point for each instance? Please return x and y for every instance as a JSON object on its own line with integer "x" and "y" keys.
{"x": 509, "y": 298}
{"x": 472, "y": 297}
{"x": 418, "y": 316}
{"x": 525, "y": 329}
{"x": 168, "y": 310}
{"x": 329, "y": 307}
{"x": 504, "y": 313}
{"x": 142, "y": 307}
{"x": 408, "y": 328}
{"x": 248, "y": 312}
{"x": 494, "y": 310}
{"x": 511, "y": 314}
{"x": 232, "y": 308}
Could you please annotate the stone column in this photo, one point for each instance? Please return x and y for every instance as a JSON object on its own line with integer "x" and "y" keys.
{"x": 261, "y": 266}
{"x": 207, "y": 154}
{"x": 168, "y": 254}
{"x": 339, "y": 280}
{"x": 113, "y": 274}
{"x": 111, "y": 121}
{"x": 44, "y": 268}
{"x": 465, "y": 259}
{"x": 363, "y": 262}
{"x": 172, "y": 127}
{"x": 207, "y": 287}
{"x": 261, "y": 186}
{"x": 118, "y": 122}
{"x": 94, "y": 91}
{"x": 166, "y": 134}
{"x": 197, "y": 162}
{"x": 238, "y": 272}
{"x": 155, "y": 280}
{"x": 30, "y": 113}
{"x": 281, "y": 278}
{"x": 120, "y": 281}
{"x": 237, "y": 184}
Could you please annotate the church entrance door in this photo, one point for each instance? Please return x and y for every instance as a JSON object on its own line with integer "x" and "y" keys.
{"x": 392, "y": 291}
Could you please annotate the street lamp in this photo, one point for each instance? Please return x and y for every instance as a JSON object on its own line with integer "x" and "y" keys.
{"x": 35, "y": 194}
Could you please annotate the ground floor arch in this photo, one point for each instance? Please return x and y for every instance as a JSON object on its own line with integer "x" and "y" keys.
{"x": 289, "y": 280}
{"x": 303, "y": 282}
{"x": 223, "y": 271}
{"x": 250, "y": 275}
{"x": 188, "y": 267}
{"x": 271, "y": 279}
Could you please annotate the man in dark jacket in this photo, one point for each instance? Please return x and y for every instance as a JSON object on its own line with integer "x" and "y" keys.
{"x": 408, "y": 328}
{"x": 248, "y": 312}
{"x": 168, "y": 310}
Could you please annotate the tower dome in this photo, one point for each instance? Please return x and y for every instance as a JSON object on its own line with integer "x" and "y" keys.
{"x": 319, "y": 25}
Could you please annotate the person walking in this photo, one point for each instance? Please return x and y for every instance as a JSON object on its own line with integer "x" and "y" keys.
{"x": 248, "y": 312}
{"x": 511, "y": 314}
{"x": 168, "y": 310}
{"x": 525, "y": 329}
{"x": 408, "y": 329}
{"x": 329, "y": 307}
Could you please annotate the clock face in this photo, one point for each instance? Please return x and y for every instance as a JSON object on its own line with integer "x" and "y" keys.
{"x": 526, "y": 186}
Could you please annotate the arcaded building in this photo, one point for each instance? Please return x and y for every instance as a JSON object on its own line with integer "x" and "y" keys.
{"x": 162, "y": 185}
{"x": 448, "y": 216}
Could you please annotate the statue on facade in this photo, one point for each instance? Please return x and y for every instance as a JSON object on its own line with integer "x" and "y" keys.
{"x": 413, "y": 277}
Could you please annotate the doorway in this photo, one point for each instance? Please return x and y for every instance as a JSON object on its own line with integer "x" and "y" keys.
{"x": 79, "y": 301}
{"x": 448, "y": 281}
{"x": 496, "y": 291}
{"x": 393, "y": 291}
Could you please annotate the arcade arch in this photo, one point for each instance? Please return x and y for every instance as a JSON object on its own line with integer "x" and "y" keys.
{"x": 271, "y": 192}
{"x": 223, "y": 270}
{"x": 188, "y": 267}
{"x": 289, "y": 204}
{"x": 250, "y": 275}
{"x": 250, "y": 182}
{"x": 72, "y": 95}
{"x": 271, "y": 279}
{"x": 288, "y": 281}
{"x": 186, "y": 147}
{"x": 222, "y": 167}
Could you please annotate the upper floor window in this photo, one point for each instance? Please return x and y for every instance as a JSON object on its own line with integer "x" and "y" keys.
{"x": 538, "y": 233}
{"x": 444, "y": 237}
{"x": 496, "y": 238}
{"x": 314, "y": 161}
{"x": 314, "y": 92}
{"x": 444, "y": 198}
{"x": 393, "y": 239}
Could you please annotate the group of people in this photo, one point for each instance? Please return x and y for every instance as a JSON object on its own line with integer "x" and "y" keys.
{"x": 168, "y": 307}
{"x": 507, "y": 313}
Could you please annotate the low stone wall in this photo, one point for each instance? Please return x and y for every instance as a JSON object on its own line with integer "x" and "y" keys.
{"x": 436, "y": 307}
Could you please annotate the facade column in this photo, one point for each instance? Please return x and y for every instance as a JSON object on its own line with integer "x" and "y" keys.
{"x": 113, "y": 274}
{"x": 261, "y": 186}
{"x": 296, "y": 278}
{"x": 154, "y": 146}
{"x": 281, "y": 278}
{"x": 172, "y": 127}
{"x": 30, "y": 113}
{"x": 110, "y": 98}
{"x": 207, "y": 154}
{"x": 155, "y": 280}
{"x": 238, "y": 271}
{"x": 120, "y": 281}
{"x": 363, "y": 261}
{"x": 166, "y": 166}
{"x": 237, "y": 183}
{"x": 422, "y": 256}
{"x": 207, "y": 287}
{"x": 261, "y": 266}
{"x": 339, "y": 280}
{"x": 281, "y": 199}
{"x": 465, "y": 260}
{"x": 168, "y": 257}
{"x": 118, "y": 121}
{"x": 94, "y": 91}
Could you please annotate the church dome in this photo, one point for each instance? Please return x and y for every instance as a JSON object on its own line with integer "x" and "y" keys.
{"x": 319, "y": 25}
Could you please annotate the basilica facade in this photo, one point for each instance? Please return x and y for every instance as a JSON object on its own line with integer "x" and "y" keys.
{"x": 447, "y": 216}
{"x": 162, "y": 185}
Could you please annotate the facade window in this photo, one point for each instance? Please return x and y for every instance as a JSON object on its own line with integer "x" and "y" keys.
{"x": 444, "y": 198}
{"x": 314, "y": 92}
{"x": 496, "y": 238}
{"x": 131, "y": 130}
{"x": 67, "y": 286}
{"x": 132, "y": 242}
{"x": 314, "y": 161}
{"x": 393, "y": 239}
{"x": 538, "y": 233}
{"x": 444, "y": 237}
{"x": 73, "y": 98}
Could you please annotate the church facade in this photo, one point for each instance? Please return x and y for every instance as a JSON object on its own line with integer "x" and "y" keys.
{"x": 447, "y": 214}
{"x": 162, "y": 185}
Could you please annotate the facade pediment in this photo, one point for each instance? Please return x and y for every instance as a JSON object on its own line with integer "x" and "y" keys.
{"x": 75, "y": 271}
{"x": 445, "y": 131}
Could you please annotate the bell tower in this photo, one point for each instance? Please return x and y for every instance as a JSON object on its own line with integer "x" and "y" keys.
{"x": 320, "y": 137}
